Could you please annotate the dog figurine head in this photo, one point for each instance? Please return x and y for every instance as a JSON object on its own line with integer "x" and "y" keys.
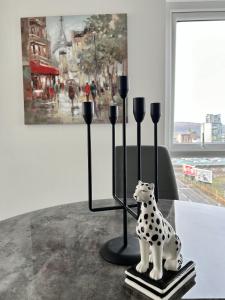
{"x": 144, "y": 191}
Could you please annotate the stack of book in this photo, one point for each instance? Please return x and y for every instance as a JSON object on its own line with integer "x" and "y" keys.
{"x": 173, "y": 283}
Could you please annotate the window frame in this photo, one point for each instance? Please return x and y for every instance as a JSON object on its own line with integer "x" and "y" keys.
{"x": 184, "y": 12}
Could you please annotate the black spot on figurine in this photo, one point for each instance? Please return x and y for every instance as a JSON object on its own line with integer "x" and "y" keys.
{"x": 156, "y": 229}
{"x": 142, "y": 229}
{"x": 146, "y": 222}
{"x": 149, "y": 202}
{"x": 145, "y": 205}
{"x": 176, "y": 242}
{"x": 145, "y": 216}
{"x": 177, "y": 249}
{"x": 163, "y": 237}
{"x": 168, "y": 236}
{"x": 157, "y": 221}
{"x": 140, "y": 220}
{"x": 147, "y": 234}
{"x": 154, "y": 208}
{"x": 150, "y": 243}
{"x": 169, "y": 229}
{"x": 160, "y": 230}
{"x": 139, "y": 231}
{"x": 152, "y": 214}
{"x": 159, "y": 243}
{"x": 155, "y": 237}
{"x": 150, "y": 227}
{"x": 152, "y": 220}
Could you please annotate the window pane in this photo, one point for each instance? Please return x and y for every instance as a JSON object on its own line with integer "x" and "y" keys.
{"x": 199, "y": 104}
{"x": 201, "y": 179}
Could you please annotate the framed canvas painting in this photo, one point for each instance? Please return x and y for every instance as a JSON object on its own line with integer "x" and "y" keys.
{"x": 71, "y": 59}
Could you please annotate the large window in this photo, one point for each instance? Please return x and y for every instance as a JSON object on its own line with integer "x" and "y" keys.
{"x": 195, "y": 82}
{"x": 195, "y": 105}
{"x": 199, "y": 98}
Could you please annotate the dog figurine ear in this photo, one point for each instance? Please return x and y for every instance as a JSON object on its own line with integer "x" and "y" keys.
{"x": 152, "y": 186}
{"x": 139, "y": 182}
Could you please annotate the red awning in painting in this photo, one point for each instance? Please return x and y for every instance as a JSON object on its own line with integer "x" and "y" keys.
{"x": 37, "y": 68}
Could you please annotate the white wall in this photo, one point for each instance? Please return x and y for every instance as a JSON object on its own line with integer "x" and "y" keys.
{"x": 42, "y": 166}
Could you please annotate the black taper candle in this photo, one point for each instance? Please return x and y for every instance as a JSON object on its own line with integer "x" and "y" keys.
{"x": 155, "y": 111}
{"x": 139, "y": 114}
{"x": 87, "y": 111}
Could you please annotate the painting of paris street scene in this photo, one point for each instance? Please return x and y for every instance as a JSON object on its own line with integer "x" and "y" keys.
{"x": 71, "y": 59}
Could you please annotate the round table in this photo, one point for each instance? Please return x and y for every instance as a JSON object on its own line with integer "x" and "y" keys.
{"x": 53, "y": 254}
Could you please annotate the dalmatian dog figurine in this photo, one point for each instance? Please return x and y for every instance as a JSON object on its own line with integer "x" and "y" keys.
{"x": 158, "y": 240}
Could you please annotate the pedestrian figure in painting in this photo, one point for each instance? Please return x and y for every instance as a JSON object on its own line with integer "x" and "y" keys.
{"x": 87, "y": 91}
{"x": 71, "y": 94}
{"x": 56, "y": 90}
{"x": 93, "y": 88}
{"x": 62, "y": 87}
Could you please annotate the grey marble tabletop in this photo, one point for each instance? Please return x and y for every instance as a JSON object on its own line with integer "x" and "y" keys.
{"x": 53, "y": 254}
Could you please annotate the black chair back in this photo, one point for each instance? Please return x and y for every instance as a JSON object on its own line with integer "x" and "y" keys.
{"x": 166, "y": 179}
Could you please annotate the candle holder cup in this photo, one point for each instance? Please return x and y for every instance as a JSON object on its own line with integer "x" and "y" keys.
{"x": 87, "y": 111}
{"x": 139, "y": 109}
{"x": 123, "y": 86}
{"x": 155, "y": 111}
{"x": 113, "y": 113}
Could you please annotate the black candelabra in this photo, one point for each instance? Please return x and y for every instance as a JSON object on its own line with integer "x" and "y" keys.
{"x": 123, "y": 250}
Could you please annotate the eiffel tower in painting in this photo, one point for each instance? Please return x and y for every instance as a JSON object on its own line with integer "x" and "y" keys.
{"x": 61, "y": 42}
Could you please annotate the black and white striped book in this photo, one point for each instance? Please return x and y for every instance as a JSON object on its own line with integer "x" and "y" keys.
{"x": 172, "y": 283}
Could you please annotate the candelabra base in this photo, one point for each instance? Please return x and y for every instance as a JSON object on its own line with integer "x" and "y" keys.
{"x": 114, "y": 251}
